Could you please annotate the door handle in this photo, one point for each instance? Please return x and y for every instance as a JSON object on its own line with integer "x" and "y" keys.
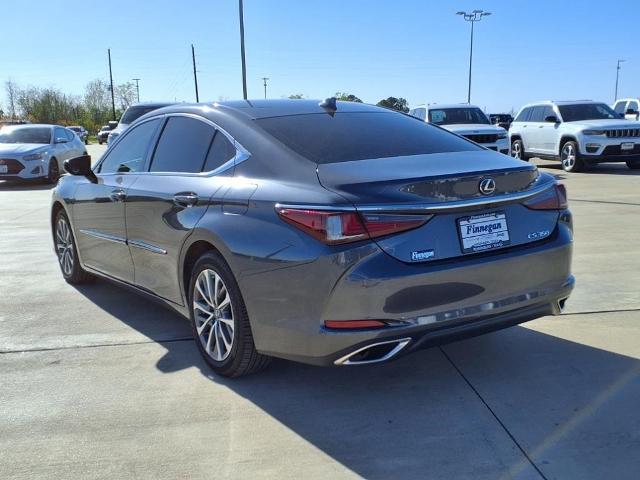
{"x": 117, "y": 195}
{"x": 185, "y": 199}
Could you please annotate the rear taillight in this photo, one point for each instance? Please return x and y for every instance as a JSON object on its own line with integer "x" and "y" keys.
{"x": 334, "y": 227}
{"x": 552, "y": 199}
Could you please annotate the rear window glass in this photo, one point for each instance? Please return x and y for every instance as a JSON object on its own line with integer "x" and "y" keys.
{"x": 344, "y": 137}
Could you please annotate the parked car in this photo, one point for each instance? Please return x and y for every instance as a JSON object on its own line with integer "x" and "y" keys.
{"x": 36, "y": 151}
{"x": 103, "y": 133}
{"x": 130, "y": 115}
{"x": 81, "y": 132}
{"x": 628, "y": 108}
{"x": 578, "y": 133}
{"x": 465, "y": 120}
{"x": 501, "y": 119}
{"x": 336, "y": 233}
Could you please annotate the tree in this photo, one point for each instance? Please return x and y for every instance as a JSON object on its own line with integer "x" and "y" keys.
{"x": 347, "y": 97}
{"x": 296, "y": 96}
{"x": 399, "y": 104}
{"x": 125, "y": 94}
{"x": 12, "y": 91}
{"x": 97, "y": 104}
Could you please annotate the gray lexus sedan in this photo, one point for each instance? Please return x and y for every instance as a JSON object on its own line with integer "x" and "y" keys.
{"x": 330, "y": 233}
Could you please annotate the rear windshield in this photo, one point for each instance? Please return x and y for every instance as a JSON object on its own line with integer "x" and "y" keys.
{"x": 25, "y": 135}
{"x": 134, "y": 113}
{"x": 343, "y": 137}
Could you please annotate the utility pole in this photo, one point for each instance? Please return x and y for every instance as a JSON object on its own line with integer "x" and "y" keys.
{"x": 113, "y": 97}
{"x": 244, "y": 64}
{"x": 137, "y": 88}
{"x": 472, "y": 17}
{"x": 195, "y": 75}
{"x": 617, "y": 76}
{"x": 264, "y": 79}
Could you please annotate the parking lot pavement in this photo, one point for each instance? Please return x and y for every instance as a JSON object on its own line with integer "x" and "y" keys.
{"x": 99, "y": 383}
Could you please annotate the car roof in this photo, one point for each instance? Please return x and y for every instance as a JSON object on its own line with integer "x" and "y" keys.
{"x": 561, "y": 102}
{"x": 34, "y": 125}
{"x": 284, "y": 107}
{"x": 433, "y": 106}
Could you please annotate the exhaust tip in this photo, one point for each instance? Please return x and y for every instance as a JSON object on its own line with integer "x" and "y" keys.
{"x": 374, "y": 352}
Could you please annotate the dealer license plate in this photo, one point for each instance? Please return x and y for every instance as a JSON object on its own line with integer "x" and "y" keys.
{"x": 479, "y": 233}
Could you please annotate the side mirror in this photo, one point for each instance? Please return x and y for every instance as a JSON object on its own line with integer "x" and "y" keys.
{"x": 81, "y": 166}
{"x": 631, "y": 111}
{"x": 551, "y": 119}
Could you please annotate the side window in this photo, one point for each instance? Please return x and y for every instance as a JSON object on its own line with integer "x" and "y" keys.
{"x": 536, "y": 114}
{"x": 421, "y": 113}
{"x": 70, "y": 135}
{"x": 60, "y": 134}
{"x": 183, "y": 146}
{"x": 222, "y": 150}
{"x": 129, "y": 153}
{"x": 620, "y": 106}
{"x": 524, "y": 115}
{"x": 633, "y": 105}
{"x": 547, "y": 111}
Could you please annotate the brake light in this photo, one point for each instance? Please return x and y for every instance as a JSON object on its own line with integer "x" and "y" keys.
{"x": 333, "y": 227}
{"x": 552, "y": 199}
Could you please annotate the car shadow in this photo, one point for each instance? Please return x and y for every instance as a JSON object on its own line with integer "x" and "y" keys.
{"x": 570, "y": 406}
{"x": 24, "y": 186}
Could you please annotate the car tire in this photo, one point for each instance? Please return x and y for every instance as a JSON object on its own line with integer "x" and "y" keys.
{"x": 53, "y": 173}
{"x": 219, "y": 319}
{"x": 633, "y": 164}
{"x": 570, "y": 157}
{"x": 517, "y": 150}
{"x": 67, "y": 252}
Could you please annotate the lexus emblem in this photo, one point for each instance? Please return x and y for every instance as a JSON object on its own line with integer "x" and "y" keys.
{"x": 487, "y": 186}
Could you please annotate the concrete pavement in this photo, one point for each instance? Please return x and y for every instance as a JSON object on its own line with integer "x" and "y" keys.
{"x": 99, "y": 383}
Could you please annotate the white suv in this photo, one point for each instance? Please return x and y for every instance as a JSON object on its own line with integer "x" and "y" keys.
{"x": 627, "y": 108}
{"x": 578, "y": 133}
{"x": 467, "y": 121}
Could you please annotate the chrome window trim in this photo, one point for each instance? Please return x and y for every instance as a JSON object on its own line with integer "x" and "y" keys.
{"x": 241, "y": 155}
{"x": 425, "y": 207}
{"x": 146, "y": 246}
{"x": 104, "y": 236}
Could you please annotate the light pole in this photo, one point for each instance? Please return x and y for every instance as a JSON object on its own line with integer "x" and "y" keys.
{"x": 617, "y": 77}
{"x": 264, "y": 79}
{"x": 137, "y": 88}
{"x": 472, "y": 17}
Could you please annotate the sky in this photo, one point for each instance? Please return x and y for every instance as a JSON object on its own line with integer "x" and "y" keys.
{"x": 416, "y": 49}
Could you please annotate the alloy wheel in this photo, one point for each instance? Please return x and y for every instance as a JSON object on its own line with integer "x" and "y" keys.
{"x": 568, "y": 156}
{"x": 516, "y": 150}
{"x": 213, "y": 314}
{"x": 64, "y": 246}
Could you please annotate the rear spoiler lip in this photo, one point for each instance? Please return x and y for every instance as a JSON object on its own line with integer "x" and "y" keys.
{"x": 430, "y": 208}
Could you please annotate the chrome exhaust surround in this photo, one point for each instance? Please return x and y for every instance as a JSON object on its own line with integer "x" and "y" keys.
{"x": 399, "y": 345}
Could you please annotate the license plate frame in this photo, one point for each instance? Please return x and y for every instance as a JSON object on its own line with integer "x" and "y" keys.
{"x": 483, "y": 232}
{"x": 627, "y": 146}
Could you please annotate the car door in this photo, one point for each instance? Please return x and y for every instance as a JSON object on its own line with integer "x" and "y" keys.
{"x": 61, "y": 144}
{"x": 189, "y": 172}
{"x": 548, "y": 134}
{"x": 535, "y": 125}
{"x": 99, "y": 208}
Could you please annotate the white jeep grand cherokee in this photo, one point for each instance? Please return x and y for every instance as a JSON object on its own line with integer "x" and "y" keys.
{"x": 578, "y": 133}
{"x": 467, "y": 121}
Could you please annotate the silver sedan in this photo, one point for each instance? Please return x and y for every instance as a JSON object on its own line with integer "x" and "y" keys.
{"x": 36, "y": 151}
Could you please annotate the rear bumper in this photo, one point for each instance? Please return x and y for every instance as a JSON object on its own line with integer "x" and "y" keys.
{"x": 433, "y": 303}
